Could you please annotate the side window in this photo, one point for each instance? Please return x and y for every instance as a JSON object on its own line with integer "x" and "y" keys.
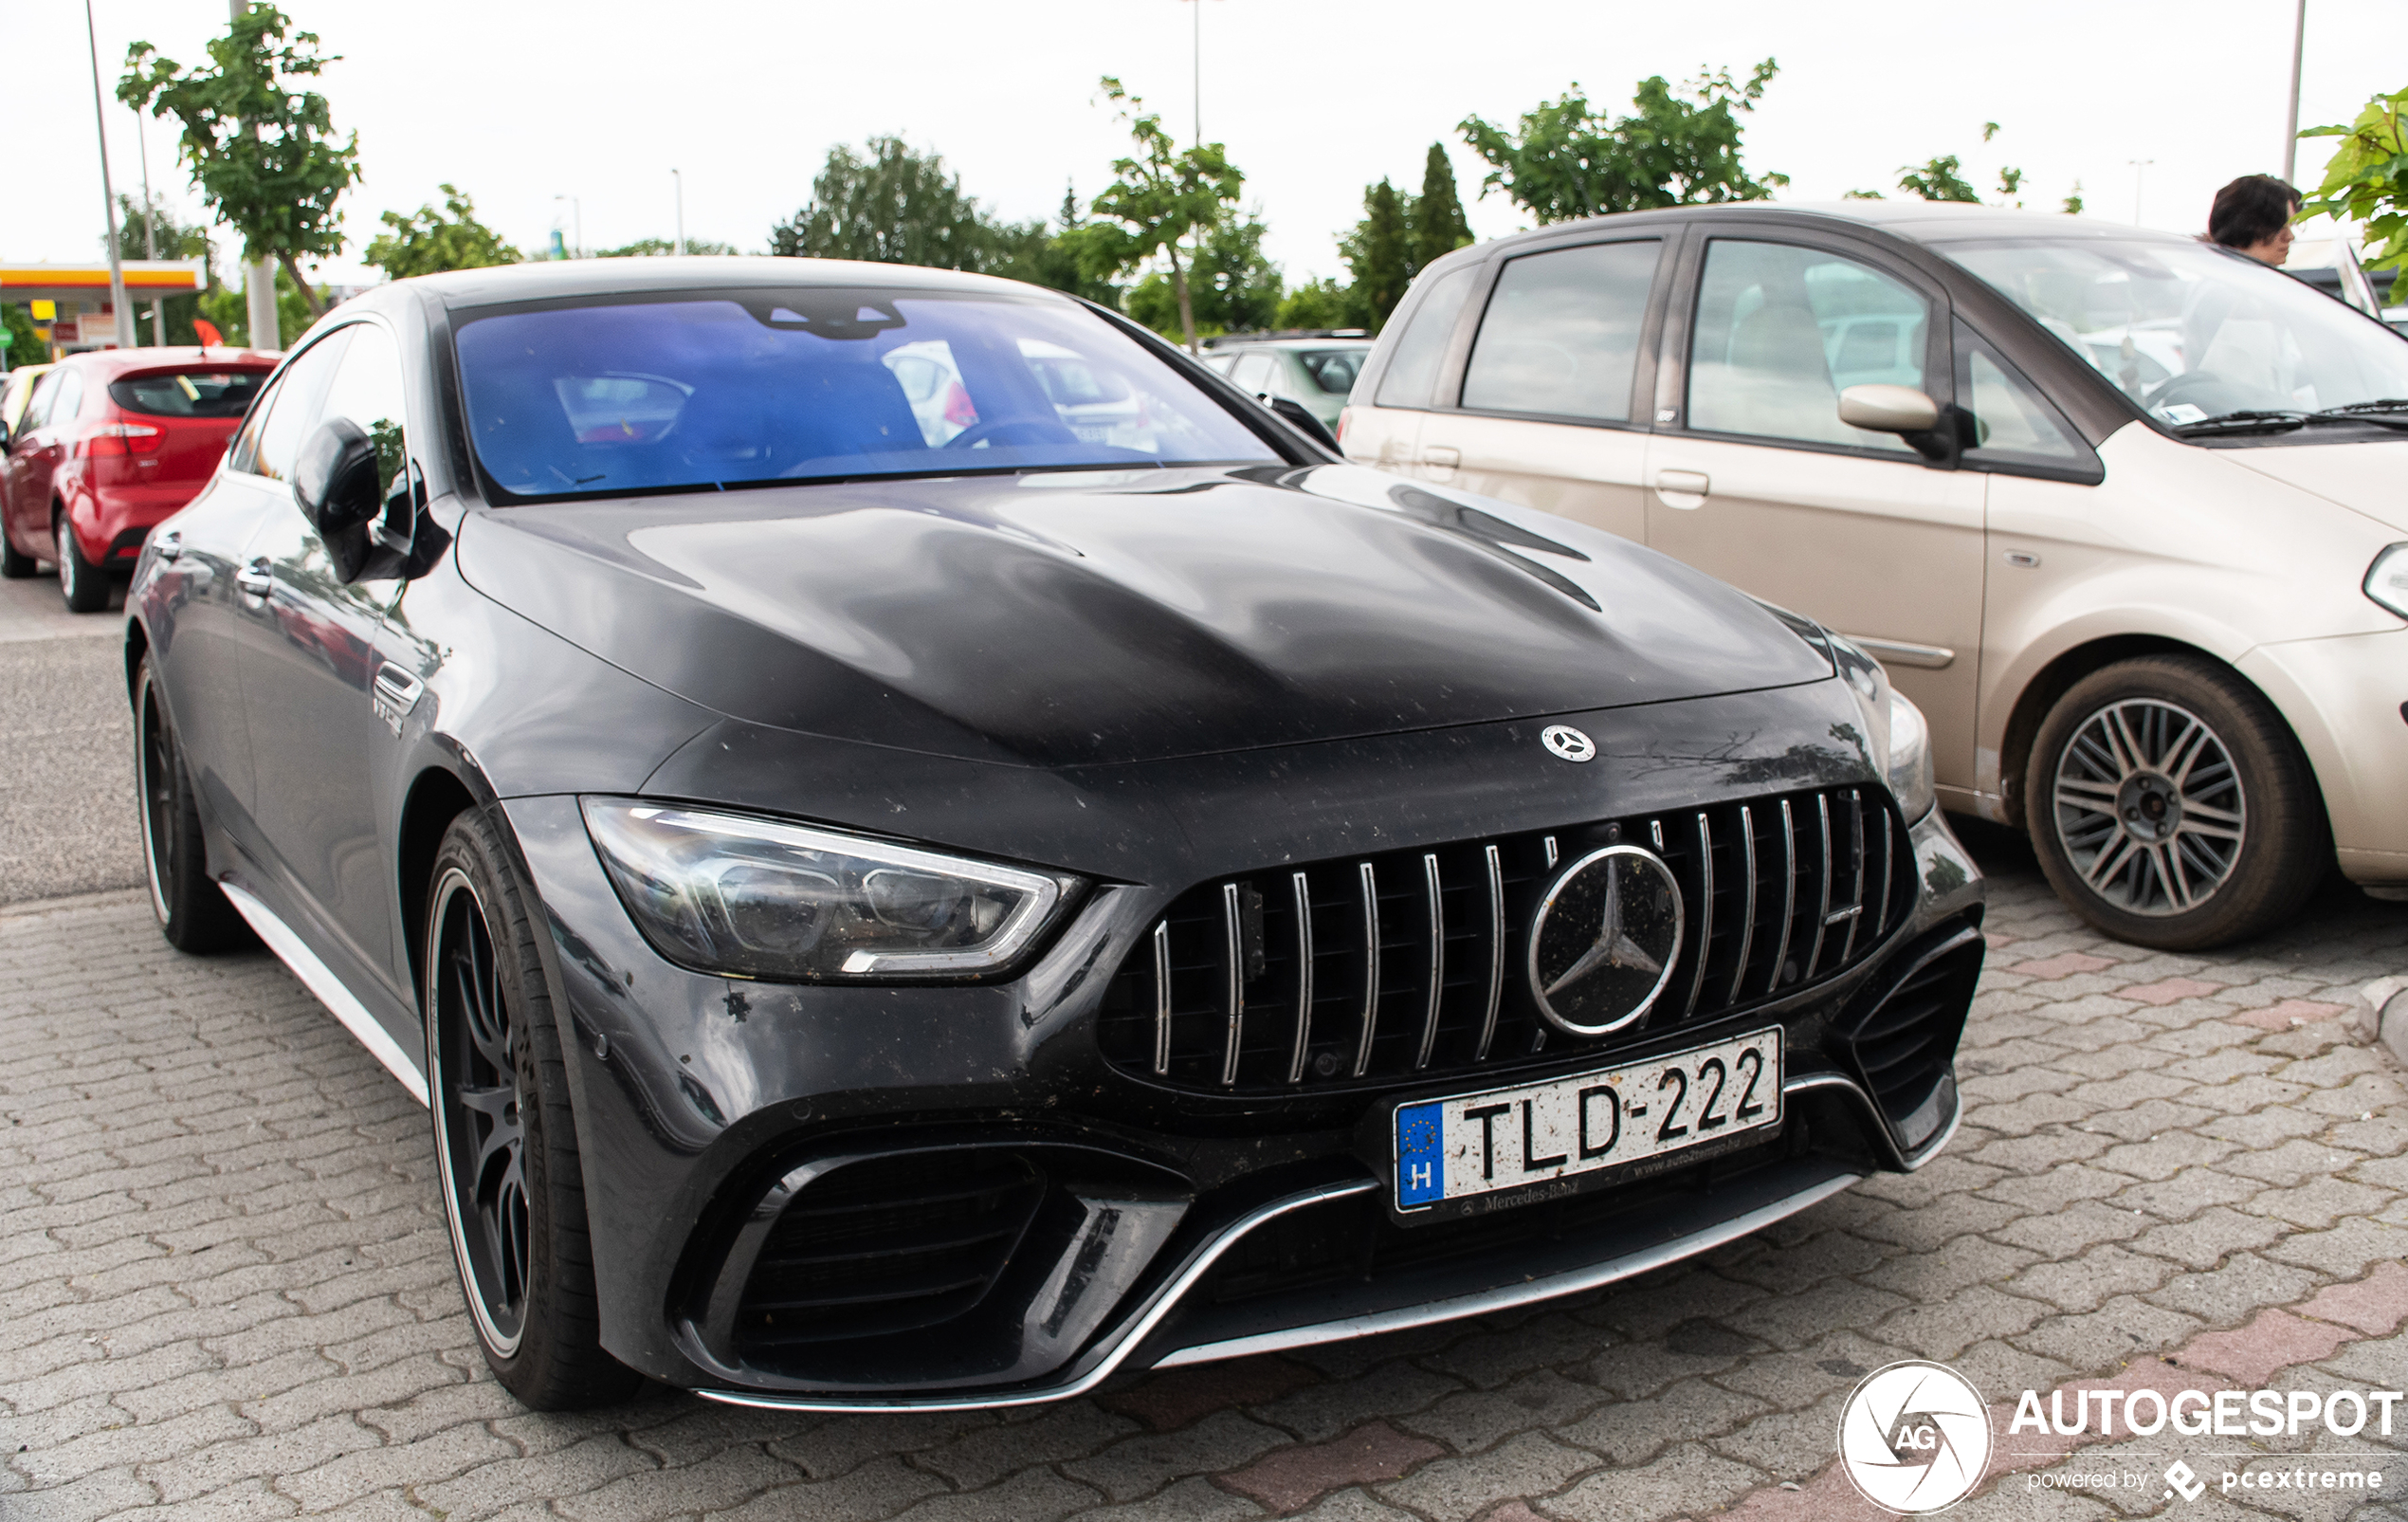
{"x": 2010, "y": 423}
{"x": 37, "y": 408}
{"x": 288, "y": 412}
{"x": 1413, "y": 368}
{"x": 1781, "y": 331}
{"x": 1252, "y": 372}
{"x": 1561, "y": 333}
{"x": 66, "y": 401}
{"x": 367, "y": 389}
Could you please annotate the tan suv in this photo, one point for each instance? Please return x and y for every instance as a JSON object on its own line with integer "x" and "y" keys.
{"x": 2122, "y": 512}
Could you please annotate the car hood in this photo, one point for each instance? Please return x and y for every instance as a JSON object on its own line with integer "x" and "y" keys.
{"x": 2363, "y": 477}
{"x": 1087, "y": 617}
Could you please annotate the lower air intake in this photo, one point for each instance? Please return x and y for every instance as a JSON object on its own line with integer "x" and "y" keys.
{"x": 1901, "y": 1038}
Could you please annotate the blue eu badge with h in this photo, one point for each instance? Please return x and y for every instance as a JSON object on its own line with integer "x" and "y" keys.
{"x": 1421, "y": 1166}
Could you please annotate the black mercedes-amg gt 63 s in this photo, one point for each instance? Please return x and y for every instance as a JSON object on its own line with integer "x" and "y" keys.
{"x": 923, "y": 850}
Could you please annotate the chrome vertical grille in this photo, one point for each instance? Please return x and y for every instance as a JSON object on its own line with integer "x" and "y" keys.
{"x": 1413, "y": 963}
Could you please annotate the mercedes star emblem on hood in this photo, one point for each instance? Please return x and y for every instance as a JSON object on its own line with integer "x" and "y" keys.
{"x": 1568, "y": 743}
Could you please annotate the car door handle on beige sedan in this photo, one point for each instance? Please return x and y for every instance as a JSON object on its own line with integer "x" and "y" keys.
{"x": 1684, "y": 490}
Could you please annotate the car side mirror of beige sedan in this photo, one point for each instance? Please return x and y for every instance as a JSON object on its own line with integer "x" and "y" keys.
{"x": 1888, "y": 409}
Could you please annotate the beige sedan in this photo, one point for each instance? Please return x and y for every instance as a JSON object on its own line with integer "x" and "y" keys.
{"x": 2125, "y": 514}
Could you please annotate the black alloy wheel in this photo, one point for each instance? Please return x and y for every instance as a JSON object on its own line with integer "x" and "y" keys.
{"x": 84, "y": 585}
{"x": 2170, "y": 806}
{"x": 506, "y": 1144}
{"x": 192, "y": 911}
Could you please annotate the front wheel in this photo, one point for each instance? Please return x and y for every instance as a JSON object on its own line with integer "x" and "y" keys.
{"x": 505, "y": 1144}
{"x": 2170, "y": 806}
{"x": 84, "y": 585}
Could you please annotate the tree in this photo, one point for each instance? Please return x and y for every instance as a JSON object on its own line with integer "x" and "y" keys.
{"x": 427, "y": 242}
{"x": 1937, "y": 180}
{"x": 1569, "y": 161}
{"x": 1439, "y": 226}
{"x": 1379, "y": 255}
{"x": 1236, "y": 289}
{"x": 665, "y": 247}
{"x": 1317, "y": 304}
{"x": 2074, "y": 201}
{"x": 224, "y": 306}
{"x": 1051, "y": 257}
{"x": 893, "y": 206}
{"x": 1161, "y": 196}
{"x": 2366, "y": 180}
{"x": 263, "y": 154}
{"x": 173, "y": 240}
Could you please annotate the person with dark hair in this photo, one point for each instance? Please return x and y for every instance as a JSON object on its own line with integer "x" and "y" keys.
{"x": 2253, "y": 215}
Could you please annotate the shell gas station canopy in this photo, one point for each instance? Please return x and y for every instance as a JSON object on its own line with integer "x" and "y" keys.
{"x": 72, "y": 300}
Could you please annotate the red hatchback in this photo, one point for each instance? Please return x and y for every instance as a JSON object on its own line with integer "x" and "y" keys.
{"x": 110, "y": 444}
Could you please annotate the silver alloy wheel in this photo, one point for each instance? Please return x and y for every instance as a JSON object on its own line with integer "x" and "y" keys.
{"x": 2149, "y": 807}
{"x": 472, "y": 1040}
{"x": 67, "y": 558}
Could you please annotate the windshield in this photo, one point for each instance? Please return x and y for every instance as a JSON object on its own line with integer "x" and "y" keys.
{"x": 2191, "y": 332}
{"x": 189, "y": 393}
{"x": 744, "y": 387}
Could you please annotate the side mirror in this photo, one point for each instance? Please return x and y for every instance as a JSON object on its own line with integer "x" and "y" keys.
{"x": 1292, "y": 413}
{"x": 335, "y": 478}
{"x": 1900, "y": 410}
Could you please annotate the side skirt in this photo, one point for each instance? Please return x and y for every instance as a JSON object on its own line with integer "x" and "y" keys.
{"x": 320, "y": 981}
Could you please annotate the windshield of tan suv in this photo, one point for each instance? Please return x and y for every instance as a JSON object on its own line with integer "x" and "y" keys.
{"x": 705, "y": 389}
{"x": 2199, "y": 336}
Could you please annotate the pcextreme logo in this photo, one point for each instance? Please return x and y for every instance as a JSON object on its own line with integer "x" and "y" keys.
{"x": 1914, "y": 1438}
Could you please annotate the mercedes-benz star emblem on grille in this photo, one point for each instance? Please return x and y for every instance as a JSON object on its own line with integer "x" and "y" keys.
{"x": 1568, "y": 743}
{"x": 1602, "y": 944}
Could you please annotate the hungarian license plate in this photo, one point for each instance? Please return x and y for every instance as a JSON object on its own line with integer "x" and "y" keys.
{"x": 1514, "y": 1138}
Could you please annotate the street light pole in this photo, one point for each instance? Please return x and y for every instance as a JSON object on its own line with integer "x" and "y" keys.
{"x": 149, "y": 231}
{"x": 259, "y": 274}
{"x": 2299, "y": 51}
{"x": 108, "y": 193}
{"x": 679, "y": 180}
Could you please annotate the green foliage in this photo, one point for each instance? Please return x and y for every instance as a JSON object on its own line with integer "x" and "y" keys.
{"x": 1160, "y": 195}
{"x": 174, "y": 240}
{"x": 1234, "y": 289}
{"x": 24, "y": 348}
{"x": 2366, "y": 181}
{"x": 1319, "y": 304}
{"x": 426, "y": 241}
{"x": 1862, "y": 195}
{"x": 1379, "y": 255}
{"x": 666, "y": 248}
{"x": 2073, "y": 202}
{"x": 1938, "y": 180}
{"x": 224, "y": 306}
{"x": 1568, "y": 161}
{"x": 1053, "y": 258}
{"x": 1439, "y": 226}
{"x": 892, "y": 207}
{"x": 262, "y": 152}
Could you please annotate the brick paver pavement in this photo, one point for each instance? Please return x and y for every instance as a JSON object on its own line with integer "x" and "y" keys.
{"x": 225, "y": 1288}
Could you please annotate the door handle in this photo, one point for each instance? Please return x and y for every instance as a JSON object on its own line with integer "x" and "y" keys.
{"x": 170, "y": 545}
{"x": 255, "y": 580}
{"x": 1443, "y": 456}
{"x": 1684, "y": 489}
{"x": 394, "y": 693}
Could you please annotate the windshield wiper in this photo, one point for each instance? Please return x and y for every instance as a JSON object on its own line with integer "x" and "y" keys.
{"x": 2249, "y": 421}
{"x": 2388, "y": 411}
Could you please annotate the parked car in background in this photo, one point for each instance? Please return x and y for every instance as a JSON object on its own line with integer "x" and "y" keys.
{"x": 2120, "y": 511}
{"x": 1316, "y": 370}
{"x": 891, "y": 913}
{"x": 111, "y": 443}
{"x": 16, "y": 390}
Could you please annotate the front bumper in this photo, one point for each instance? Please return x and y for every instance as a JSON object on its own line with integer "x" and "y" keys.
{"x": 2347, "y": 698}
{"x": 1160, "y": 1226}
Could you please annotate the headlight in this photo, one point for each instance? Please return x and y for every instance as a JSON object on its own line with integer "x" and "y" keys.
{"x": 761, "y": 899}
{"x": 1910, "y": 758}
{"x": 2387, "y": 579}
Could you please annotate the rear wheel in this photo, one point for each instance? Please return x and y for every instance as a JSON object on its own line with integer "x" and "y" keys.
{"x": 84, "y": 585}
{"x": 505, "y": 1144}
{"x": 192, "y": 910}
{"x": 2170, "y": 806}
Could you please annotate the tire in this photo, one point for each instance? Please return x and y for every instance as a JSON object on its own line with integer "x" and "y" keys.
{"x": 15, "y": 564}
{"x": 2170, "y": 806}
{"x": 191, "y": 909}
{"x": 84, "y": 585}
{"x": 505, "y": 1144}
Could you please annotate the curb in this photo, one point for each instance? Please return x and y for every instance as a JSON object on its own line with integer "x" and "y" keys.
{"x": 2381, "y": 1016}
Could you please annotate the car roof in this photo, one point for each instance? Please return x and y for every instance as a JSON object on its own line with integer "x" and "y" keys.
{"x": 546, "y": 280}
{"x": 122, "y": 362}
{"x": 1921, "y": 221}
{"x": 1235, "y": 343}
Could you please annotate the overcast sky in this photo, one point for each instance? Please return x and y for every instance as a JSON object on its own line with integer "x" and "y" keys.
{"x": 520, "y": 103}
